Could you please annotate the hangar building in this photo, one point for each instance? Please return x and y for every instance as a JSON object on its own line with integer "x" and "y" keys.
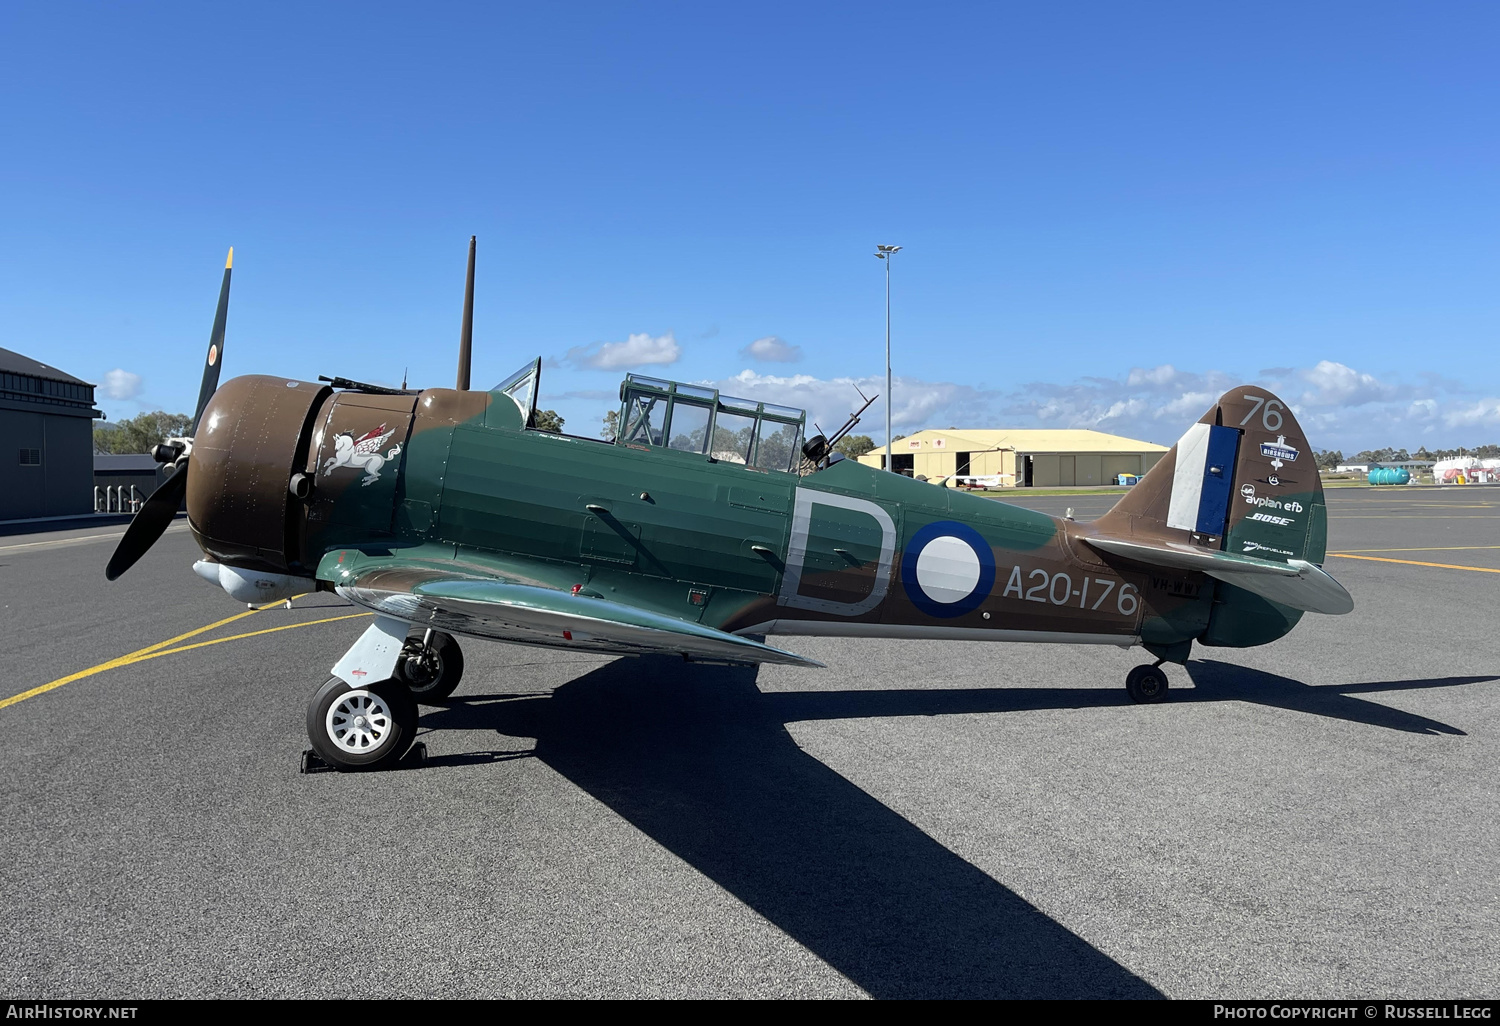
{"x": 47, "y": 423}
{"x": 1023, "y": 458}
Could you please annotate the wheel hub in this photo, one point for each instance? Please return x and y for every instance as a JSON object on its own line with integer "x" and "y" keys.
{"x": 359, "y": 722}
{"x": 423, "y": 668}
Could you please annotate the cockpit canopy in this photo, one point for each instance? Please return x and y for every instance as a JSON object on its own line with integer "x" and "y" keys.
{"x": 687, "y": 418}
{"x": 692, "y": 418}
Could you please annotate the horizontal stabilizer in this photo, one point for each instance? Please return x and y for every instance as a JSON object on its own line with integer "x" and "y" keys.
{"x": 1296, "y": 583}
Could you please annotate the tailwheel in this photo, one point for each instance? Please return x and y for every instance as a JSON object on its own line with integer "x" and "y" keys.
{"x": 430, "y": 665}
{"x": 1147, "y": 684}
{"x": 366, "y": 727}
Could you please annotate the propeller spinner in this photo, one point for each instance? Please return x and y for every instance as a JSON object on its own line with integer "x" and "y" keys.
{"x": 156, "y": 515}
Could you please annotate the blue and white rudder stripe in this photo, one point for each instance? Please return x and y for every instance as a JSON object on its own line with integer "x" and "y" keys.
{"x": 1204, "y": 479}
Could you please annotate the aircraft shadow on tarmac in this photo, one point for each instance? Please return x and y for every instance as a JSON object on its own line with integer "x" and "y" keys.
{"x": 1213, "y": 682}
{"x": 700, "y": 760}
{"x": 1224, "y": 682}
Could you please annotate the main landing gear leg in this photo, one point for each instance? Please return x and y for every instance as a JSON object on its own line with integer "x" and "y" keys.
{"x": 430, "y": 665}
{"x": 361, "y": 718}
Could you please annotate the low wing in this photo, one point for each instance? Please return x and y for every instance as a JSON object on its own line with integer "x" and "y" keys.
{"x": 1295, "y": 583}
{"x": 527, "y": 610}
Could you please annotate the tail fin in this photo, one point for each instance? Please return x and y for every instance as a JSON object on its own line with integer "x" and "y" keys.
{"x": 1242, "y": 480}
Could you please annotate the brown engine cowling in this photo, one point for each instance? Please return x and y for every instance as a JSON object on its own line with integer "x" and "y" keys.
{"x": 253, "y": 437}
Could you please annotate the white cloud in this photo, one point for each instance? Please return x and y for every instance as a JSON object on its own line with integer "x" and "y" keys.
{"x": 1334, "y": 384}
{"x": 635, "y": 351}
{"x": 1159, "y": 377}
{"x": 772, "y": 350}
{"x": 829, "y": 401}
{"x": 1340, "y": 407}
{"x": 121, "y": 384}
{"x": 1485, "y": 412}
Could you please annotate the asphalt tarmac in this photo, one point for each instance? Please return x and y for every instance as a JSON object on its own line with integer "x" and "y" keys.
{"x": 1315, "y": 818}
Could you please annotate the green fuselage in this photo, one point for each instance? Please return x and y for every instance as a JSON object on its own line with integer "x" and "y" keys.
{"x": 843, "y": 550}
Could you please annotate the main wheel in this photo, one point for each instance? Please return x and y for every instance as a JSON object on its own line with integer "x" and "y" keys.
{"x": 1147, "y": 684}
{"x": 368, "y": 727}
{"x": 431, "y": 671}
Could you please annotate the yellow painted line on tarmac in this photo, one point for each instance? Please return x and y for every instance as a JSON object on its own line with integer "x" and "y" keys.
{"x": 163, "y": 648}
{"x": 1413, "y": 562}
{"x": 251, "y": 634}
{"x": 124, "y": 660}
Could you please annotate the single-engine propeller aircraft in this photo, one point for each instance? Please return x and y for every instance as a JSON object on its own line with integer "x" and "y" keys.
{"x": 706, "y": 525}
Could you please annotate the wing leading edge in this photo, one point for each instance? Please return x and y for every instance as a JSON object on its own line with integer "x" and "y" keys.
{"x": 493, "y": 607}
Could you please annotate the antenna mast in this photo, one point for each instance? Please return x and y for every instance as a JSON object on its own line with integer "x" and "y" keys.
{"x": 466, "y": 334}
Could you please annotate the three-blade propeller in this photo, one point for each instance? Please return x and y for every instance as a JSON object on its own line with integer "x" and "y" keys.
{"x": 156, "y": 515}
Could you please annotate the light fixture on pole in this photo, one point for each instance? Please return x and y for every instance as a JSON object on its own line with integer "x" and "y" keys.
{"x": 885, "y": 253}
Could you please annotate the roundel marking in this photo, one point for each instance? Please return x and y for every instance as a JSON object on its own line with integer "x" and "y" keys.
{"x": 948, "y": 569}
{"x": 213, "y": 355}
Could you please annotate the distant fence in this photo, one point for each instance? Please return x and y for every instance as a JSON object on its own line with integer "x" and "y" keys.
{"x": 117, "y": 499}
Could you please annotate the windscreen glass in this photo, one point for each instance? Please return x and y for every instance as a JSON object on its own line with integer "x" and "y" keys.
{"x": 521, "y": 387}
{"x": 734, "y": 435}
{"x": 689, "y": 428}
{"x": 643, "y": 419}
{"x": 777, "y": 448}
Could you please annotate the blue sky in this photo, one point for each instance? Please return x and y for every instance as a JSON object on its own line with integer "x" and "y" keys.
{"x": 1109, "y": 212}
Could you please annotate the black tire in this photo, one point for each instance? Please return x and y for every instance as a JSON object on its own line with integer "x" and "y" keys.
{"x": 1147, "y": 684}
{"x": 430, "y": 673}
{"x": 391, "y": 723}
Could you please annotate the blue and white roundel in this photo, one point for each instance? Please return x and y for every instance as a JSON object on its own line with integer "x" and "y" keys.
{"x": 947, "y": 569}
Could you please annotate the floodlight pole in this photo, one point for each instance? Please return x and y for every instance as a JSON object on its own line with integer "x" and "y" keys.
{"x": 885, "y": 253}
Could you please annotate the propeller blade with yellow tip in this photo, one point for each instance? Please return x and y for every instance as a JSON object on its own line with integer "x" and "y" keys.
{"x": 215, "y": 358}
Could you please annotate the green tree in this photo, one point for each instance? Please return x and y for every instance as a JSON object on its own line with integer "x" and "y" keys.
{"x": 611, "y": 426}
{"x": 141, "y": 433}
{"x": 855, "y": 446}
{"x": 548, "y": 420}
{"x": 1327, "y": 459}
{"x": 1480, "y": 451}
{"x": 1382, "y": 456}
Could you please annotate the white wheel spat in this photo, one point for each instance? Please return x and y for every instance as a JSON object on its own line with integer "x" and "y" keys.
{"x": 359, "y": 722}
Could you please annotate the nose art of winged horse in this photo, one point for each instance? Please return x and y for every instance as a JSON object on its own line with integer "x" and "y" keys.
{"x": 362, "y": 452}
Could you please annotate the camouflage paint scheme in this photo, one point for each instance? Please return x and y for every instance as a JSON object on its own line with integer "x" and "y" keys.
{"x": 480, "y": 526}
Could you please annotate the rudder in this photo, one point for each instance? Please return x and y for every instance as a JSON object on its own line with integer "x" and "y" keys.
{"x": 1242, "y": 480}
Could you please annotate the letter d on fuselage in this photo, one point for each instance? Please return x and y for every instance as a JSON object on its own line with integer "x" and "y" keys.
{"x": 827, "y": 559}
